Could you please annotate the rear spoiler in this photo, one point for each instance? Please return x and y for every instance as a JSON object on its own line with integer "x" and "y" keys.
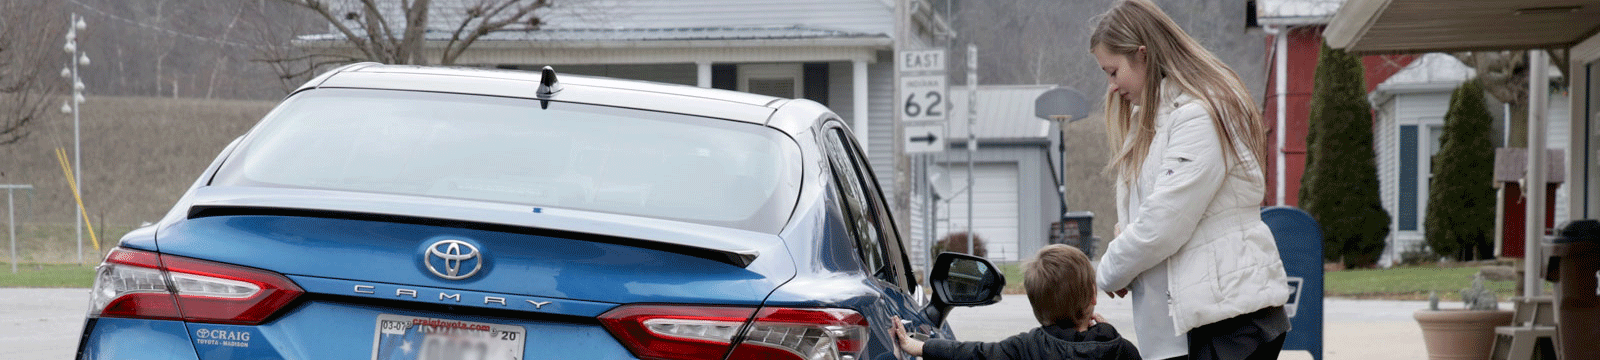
{"x": 705, "y": 247}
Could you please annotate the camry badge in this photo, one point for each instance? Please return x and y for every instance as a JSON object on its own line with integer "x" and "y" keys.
{"x": 452, "y": 259}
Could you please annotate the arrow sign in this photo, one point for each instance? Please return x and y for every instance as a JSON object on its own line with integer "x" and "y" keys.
{"x": 923, "y": 138}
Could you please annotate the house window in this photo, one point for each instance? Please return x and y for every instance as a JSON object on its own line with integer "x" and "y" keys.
{"x": 780, "y": 80}
{"x": 772, "y": 87}
{"x": 1409, "y": 202}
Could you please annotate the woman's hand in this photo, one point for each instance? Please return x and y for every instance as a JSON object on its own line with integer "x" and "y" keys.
{"x": 912, "y": 346}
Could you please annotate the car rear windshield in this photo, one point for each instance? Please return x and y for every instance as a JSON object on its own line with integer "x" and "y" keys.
{"x": 575, "y": 156}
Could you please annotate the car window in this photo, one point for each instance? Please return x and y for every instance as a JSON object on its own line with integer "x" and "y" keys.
{"x": 863, "y": 219}
{"x": 574, "y": 156}
{"x": 894, "y": 253}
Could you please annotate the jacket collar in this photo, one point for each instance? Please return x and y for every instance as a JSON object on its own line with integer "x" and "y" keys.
{"x": 1172, "y": 96}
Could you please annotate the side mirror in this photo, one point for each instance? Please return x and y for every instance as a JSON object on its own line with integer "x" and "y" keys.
{"x": 962, "y": 280}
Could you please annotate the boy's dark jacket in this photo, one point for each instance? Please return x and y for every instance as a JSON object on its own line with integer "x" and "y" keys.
{"x": 1100, "y": 342}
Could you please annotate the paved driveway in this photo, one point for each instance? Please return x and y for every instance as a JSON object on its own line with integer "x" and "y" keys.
{"x": 41, "y": 323}
{"x": 1352, "y": 329}
{"x": 45, "y": 323}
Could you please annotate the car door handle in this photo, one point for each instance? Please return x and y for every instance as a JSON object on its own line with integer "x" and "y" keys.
{"x": 915, "y": 334}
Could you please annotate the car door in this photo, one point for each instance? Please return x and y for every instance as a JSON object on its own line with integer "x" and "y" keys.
{"x": 877, "y": 240}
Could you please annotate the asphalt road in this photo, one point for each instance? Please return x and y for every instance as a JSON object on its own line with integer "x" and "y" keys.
{"x": 41, "y": 323}
{"x": 45, "y": 323}
{"x": 1352, "y": 329}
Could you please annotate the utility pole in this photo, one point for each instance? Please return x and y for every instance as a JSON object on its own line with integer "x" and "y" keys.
{"x": 972, "y": 135}
{"x": 73, "y": 106}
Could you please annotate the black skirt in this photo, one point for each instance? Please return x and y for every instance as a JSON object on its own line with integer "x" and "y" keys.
{"x": 1257, "y": 335}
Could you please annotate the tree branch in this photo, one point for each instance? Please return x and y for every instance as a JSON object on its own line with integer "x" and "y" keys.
{"x": 459, "y": 44}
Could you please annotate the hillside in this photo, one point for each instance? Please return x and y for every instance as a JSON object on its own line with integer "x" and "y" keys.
{"x": 139, "y": 154}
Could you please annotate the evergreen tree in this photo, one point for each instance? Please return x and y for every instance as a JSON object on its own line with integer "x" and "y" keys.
{"x": 1460, "y": 216}
{"x": 1340, "y": 186}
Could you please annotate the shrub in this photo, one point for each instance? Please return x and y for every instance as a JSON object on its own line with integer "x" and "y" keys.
{"x": 957, "y": 242}
{"x": 1340, "y": 185}
{"x": 1460, "y": 215}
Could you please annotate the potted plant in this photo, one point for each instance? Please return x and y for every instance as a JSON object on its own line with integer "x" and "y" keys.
{"x": 1459, "y": 334}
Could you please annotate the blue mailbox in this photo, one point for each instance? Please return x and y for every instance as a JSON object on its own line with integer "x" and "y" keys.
{"x": 1300, "y": 245}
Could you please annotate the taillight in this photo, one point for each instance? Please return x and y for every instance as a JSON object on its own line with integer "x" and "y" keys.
{"x": 672, "y": 332}
{"x": 141, "y": 284}
{"x": 805, "y": 333}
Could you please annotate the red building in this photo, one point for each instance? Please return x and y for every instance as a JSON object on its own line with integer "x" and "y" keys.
{"x": 1294, "y": 40}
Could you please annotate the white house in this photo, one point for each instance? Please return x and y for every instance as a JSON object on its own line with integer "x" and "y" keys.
{"x": 1410, "y": 108}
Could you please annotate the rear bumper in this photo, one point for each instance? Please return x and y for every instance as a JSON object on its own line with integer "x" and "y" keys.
{"x": 135, "y": 339}
{"x": 318, "y": 330}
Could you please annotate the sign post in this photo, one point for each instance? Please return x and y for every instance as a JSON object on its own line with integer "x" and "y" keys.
{"x": 11, "y": 214}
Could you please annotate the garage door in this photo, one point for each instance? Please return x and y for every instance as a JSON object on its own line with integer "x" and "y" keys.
{"x": 994, "y": 207}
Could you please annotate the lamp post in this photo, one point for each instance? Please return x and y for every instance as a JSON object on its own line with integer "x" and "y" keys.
{"x": 72, "y": 106}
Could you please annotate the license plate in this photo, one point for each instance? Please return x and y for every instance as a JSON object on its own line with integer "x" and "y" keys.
{"x": 401, "y": 337}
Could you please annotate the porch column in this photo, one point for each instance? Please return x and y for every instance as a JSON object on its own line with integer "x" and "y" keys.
{"x": 703, "y": 70}
{"x": 859, "y": 91}
{"x": 1534, "y": 187}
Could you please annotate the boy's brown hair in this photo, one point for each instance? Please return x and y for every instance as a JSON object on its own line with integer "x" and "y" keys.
{"x": 1060, "y": 284}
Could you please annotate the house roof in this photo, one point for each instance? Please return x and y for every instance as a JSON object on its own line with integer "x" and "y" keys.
{"x": 1431, "y": 69}
{"x": 1004, "y": 112}
{"x": 1296, "y": 12}
{"x": 650, "y": 20}
{"x": 1511, "y": 165}
{"x": 644, "y": 34}
{"x": 1431, "y": 72}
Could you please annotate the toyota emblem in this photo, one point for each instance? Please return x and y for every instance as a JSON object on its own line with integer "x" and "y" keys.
{"x": 452, "y": 259}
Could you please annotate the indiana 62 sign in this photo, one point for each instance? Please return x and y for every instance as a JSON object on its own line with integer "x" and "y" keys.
{"x": 923, "y": 98}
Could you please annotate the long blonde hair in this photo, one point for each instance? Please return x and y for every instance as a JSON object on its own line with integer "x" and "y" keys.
{"x": 1171, "y": 54}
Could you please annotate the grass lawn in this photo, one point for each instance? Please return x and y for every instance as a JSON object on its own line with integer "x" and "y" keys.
{"x": 1013, "y": 273}
{"x": 1401, "y": 283}
{"x": 1413, "y": 283}
{"x": 47, "y": 275}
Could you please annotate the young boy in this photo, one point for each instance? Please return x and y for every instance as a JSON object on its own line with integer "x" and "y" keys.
{"x": 1060, "y": 285}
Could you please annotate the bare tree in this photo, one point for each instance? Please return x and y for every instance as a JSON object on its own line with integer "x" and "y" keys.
{"x": 28, "y": 59}
{"x": 1505, "y": 76}
{"x": 1047, "y": 41}
{"x": 395, "y": 31}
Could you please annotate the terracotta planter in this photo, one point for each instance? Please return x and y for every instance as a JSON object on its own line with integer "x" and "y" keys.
{"x": 1460, "y": 334}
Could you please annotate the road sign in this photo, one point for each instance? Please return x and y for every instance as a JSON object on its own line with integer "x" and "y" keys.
{"x": 924, "y": 138}
{"x": 922, "y": 60}
{"x": 923, "y": 98}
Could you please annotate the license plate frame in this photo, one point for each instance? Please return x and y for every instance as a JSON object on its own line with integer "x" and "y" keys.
{"x": 403, "y": 337}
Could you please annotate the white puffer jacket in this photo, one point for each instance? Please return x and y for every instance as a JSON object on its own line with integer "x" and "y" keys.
{"x": 1200, "y": 212}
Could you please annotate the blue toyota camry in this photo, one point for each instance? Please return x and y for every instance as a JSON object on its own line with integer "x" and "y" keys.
{"x": 401, "y": 212}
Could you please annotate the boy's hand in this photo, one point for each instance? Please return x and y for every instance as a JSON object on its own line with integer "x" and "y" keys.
{"x": 911, "y": 346}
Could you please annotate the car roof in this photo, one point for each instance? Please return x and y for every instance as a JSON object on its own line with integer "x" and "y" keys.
{"x": 716, "y": 103}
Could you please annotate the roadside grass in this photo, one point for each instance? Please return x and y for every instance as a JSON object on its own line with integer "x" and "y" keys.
{"x": 1400, "y": 283}
{"x": 38, "y": 275}
{"x": 1013, "y": 273}
{"x": 1413, "y": 283}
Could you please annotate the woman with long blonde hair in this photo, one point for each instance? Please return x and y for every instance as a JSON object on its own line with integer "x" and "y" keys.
{"x": 1186, "y": 140}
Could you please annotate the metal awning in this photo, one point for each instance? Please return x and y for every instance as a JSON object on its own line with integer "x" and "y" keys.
{"x": 1416, "y": 26}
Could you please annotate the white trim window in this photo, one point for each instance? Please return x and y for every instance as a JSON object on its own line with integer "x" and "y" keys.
{"x": 780, "y": 80}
